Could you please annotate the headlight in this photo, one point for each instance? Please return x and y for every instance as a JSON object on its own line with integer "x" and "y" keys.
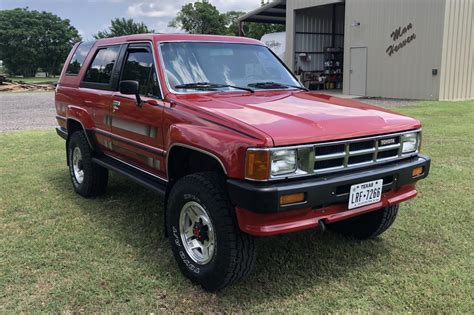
{"x": 283, "y": 162}
{"x": 410, "y": 142}
{"x": 262, "y": 164}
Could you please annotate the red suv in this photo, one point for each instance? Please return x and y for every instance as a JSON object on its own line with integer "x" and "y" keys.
{"x": 236, "y": 146}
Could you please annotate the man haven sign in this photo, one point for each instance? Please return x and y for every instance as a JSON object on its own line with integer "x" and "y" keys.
{"x": 401, "y": 37}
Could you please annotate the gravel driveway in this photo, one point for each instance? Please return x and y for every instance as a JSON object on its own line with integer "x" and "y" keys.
{"x": 30, "y": 110}
{"x": 35, "y": 110}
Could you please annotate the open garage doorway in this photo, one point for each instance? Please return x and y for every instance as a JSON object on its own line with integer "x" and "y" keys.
{"x": 313, "y": 44}
{"x": 319, "y": 46}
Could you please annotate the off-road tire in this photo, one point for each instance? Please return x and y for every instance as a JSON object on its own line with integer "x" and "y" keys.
{"x": 234, "y": 255}
{"x": 95, "y": 176}
{"x": 367, "y": 226}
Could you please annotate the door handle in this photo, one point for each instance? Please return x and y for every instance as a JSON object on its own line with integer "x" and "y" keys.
{"x": 116, "y": 105}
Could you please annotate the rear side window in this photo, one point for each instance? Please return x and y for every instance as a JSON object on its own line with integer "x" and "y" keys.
{"x": 100, "y": 70}
{"x": 78, "y": 58}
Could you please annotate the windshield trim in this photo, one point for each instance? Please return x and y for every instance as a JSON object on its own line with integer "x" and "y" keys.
{"x": 223, "y": 91}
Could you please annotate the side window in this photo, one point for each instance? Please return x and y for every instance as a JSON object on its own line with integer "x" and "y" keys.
{"x": 78, "y": 58}
{"x": 139, "y": 67}
{"x": 100, "y": 70}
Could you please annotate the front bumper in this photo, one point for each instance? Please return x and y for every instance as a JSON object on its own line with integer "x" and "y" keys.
{"x": 260, "y": 213}
{"x": 62, "y": 132}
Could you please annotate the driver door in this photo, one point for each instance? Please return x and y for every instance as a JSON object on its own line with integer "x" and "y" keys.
{"x": 137, "y": 135}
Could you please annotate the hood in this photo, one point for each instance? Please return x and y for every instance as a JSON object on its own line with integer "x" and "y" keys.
{"x": 302, "y": 117}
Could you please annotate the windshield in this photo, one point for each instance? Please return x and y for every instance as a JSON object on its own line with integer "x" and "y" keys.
{"x": 191, "y": 66}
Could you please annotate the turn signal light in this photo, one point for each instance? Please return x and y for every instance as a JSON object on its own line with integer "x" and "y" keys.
{"x": 292, "y": 198}
{"x": 417, "y": 171}
{"x": 257, "y": 164}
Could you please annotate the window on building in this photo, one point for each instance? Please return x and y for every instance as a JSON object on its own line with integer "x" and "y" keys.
{"x": 78, "y": 58}
{"x": 100, "y": 70}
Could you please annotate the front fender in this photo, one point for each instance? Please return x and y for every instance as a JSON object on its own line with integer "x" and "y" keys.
{"x": 229, "y": 148}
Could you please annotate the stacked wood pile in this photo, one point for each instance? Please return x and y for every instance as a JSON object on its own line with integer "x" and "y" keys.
{"x": 6, "y": 86}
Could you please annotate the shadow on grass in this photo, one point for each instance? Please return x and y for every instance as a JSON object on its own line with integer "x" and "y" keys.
{"x": 286, "y": 265}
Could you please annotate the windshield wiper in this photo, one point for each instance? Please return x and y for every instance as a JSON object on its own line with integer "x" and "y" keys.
{"x": 272, "y": 85}
{"x": 208, "y": 85}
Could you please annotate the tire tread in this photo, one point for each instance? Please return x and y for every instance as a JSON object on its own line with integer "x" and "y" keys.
{"x": 242, "y": 247}
{"x": 98, "y": 175}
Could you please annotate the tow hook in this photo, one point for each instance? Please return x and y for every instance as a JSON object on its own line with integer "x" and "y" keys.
{"x": 322, "y": 226}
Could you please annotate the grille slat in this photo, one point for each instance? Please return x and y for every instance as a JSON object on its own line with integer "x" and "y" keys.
{"x": 362, "y": 152}
{"x": 356, "y": 153}
{"x": 330, "y": 156}
{"x": 389, "y": 147}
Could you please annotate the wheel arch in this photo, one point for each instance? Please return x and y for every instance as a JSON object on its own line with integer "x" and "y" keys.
{"x": 73, "y": 125}
{"x": 181, "y": 152}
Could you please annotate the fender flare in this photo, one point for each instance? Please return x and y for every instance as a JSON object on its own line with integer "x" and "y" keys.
{"x": 81, "y": 116}
{"x": 83, "y": 128}
{"x": 190, "y": 147}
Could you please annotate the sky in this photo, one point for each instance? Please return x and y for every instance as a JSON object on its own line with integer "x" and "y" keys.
{"x": 91, "y": 16}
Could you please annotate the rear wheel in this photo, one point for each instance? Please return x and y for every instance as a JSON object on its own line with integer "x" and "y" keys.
{"x": 208, "y": 246}
{"x": 366, "y": 226}
{"x": 88, "y": 179}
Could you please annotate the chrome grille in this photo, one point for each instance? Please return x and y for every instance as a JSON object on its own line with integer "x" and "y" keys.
{"x": 354, "y": 153}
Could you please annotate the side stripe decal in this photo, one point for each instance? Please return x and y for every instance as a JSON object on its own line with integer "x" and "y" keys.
{"x": 142, "y": 129}
{"x": 131, "y": 142}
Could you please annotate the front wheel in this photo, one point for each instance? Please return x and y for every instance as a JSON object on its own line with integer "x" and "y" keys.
{"x": 369, "y": 225}
{"x": 206, "y": 241}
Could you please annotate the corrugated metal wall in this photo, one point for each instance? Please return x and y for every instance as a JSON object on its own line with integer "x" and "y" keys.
{"x": 303, "y": 4}
{"x": 438, "y": 63}
{"x": 407, "y": 73}
{"x": 457, "y": 67}
{"x": 313, "y": 33}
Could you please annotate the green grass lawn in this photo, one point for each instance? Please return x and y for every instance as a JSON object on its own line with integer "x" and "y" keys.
{"x": 62, "y": 253}
{"x": 35, "y": 80}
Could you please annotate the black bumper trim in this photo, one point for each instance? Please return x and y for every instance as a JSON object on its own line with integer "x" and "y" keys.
{"x": 61, "y": 132}
{"x": 322, "y": 191}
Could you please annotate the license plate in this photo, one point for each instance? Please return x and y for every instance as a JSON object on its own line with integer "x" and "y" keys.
{"x": 365, "y": 193}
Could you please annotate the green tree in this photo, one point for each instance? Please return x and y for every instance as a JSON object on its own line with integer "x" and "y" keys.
{"x": 121, "y": 27}
{"x": 257, "y": 30}
{"x": 232, "y": 23}
{"x": 200, "y": 17}
{"x": 251, "y": 29}
{"x": 31, "y": 39}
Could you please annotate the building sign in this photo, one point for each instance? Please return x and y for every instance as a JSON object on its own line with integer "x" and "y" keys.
{"x": 401, "y": 36}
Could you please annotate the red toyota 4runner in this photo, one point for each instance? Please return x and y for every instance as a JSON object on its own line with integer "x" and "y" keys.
{"x": 237, "y": 147}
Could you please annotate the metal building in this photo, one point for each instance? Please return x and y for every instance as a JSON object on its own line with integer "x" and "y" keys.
{"x": 415, "y": 49}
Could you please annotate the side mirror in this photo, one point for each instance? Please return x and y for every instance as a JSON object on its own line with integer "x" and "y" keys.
{"x": 130, "y": 87}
